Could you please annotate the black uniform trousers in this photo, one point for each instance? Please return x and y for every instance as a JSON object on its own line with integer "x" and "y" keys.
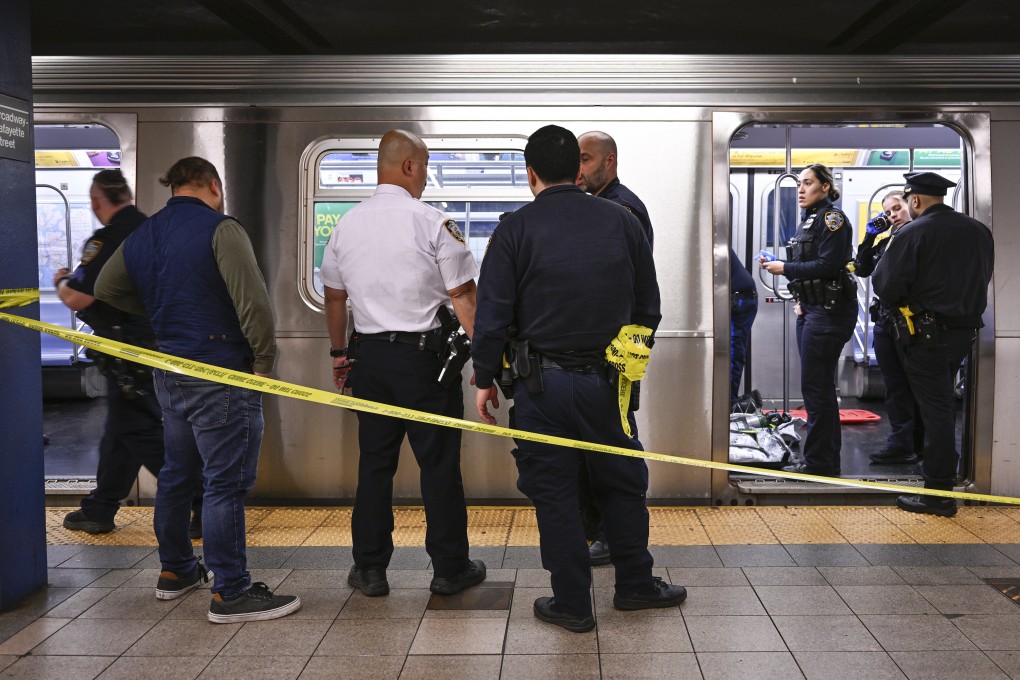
{"x": 582, "y": 406}
{"x": 743, "y": 310}
{"x": 594, "y": 529}
{"x": 932, "y": 371}
{"x": 402, "y": 375}
{"x": 906, "y": 427}
{"x": 821, "y": 335}
{"x": 133, "y": 437}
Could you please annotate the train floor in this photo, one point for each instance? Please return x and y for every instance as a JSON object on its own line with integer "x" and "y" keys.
{"x": 774, "y": 592}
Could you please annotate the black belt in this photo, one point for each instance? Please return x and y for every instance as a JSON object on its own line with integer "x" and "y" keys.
{"x": 600, "y": 367}
{"x": 429, "y": 340}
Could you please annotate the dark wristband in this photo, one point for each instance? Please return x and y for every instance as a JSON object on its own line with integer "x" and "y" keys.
{"x": 337, "y": 353}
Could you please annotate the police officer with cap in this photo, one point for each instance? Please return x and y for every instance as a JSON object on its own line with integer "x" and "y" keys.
{"x": 827, "y": 311}
{"x": 936, "y": 274}
{"x": 537, "y": 276}
{"x": 402, "y": 264}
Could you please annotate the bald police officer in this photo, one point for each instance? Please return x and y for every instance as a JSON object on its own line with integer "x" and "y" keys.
{"x": 403, "y": 265}
{"x": 936, "y": 274}
{"x": 598, "y": 177}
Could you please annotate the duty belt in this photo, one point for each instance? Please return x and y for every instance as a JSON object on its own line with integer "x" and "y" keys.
{"x": 431, "y": 341}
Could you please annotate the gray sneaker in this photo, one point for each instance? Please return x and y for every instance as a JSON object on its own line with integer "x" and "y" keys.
{"x": 171, "y": 586}
{"x": 255, "y": 604}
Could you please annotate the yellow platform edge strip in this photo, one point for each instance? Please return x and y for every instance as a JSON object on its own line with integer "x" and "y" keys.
{"x": 166, "y": 362}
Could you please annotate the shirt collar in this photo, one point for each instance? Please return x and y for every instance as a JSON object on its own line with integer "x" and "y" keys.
{"x": 392, "y": 190}
{"x": 559, "y": 188}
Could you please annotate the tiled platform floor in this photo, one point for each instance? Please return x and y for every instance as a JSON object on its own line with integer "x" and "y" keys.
{"x": 839, "y": 606}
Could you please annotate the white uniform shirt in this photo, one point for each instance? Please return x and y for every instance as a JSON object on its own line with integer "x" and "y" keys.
{"x": 396, "y": 257}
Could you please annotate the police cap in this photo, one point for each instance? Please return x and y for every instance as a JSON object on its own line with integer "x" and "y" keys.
{"x": 927, "y": 183}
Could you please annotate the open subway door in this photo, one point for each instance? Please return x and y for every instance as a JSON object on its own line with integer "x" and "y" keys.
{"x": 760, "y": 165}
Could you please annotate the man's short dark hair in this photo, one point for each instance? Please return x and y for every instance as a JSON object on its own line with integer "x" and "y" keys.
{"x": 553, "y": 154}
{"x": 113, "y": 185}
{"x": 193, "y": 171}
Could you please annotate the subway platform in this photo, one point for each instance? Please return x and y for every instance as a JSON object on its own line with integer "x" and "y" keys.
{"x": 774, "y": 592}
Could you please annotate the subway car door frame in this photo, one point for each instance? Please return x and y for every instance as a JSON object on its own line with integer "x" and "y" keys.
{"x": 974, "y": 129}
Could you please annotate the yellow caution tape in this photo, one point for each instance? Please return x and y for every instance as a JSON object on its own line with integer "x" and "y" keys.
{"x": 908, "y": 317}
{"x": 270, "y": 386}
{"x": 629, "y": 353}
{"x": 18, "y": 297}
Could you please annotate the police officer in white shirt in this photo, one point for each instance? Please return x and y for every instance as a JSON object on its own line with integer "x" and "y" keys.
{"x": 402, "y": 264}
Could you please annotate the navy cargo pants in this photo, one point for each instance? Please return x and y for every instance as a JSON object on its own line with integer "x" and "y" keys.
{"x": 821, "y": 335}
{"x": 581, "y": 405}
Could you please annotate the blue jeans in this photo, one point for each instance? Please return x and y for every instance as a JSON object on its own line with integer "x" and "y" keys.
{"x": 213, "y": 433}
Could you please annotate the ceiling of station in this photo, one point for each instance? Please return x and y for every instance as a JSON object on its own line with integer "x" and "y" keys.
{"x": 346, "y": 27}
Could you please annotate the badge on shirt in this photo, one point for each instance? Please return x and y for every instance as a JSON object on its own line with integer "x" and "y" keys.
{"x": 92, "y": 248}
{"x": 451, "y": 226}
{"x": 834, "y": 220}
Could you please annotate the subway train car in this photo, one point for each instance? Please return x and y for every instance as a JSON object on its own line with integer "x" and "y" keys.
{"x": 711, "y": 145}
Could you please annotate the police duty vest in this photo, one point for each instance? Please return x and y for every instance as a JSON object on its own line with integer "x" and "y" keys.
{"x": 171, "y": 262}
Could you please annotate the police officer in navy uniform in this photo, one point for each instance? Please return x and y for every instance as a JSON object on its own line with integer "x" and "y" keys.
{"x": 906, "y": 429}
{"x": 743, "y": 310}
{"x": 402, "y": 264}
{"x": 827, "y": 311}
{"x": 568, "y": 271}
{"x": 598, "y": 177}
{"x": 938, "y": 267}
{"x": 133, "y": 434}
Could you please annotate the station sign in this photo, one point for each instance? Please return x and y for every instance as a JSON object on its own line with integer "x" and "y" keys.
{"x": 16, "y": 140}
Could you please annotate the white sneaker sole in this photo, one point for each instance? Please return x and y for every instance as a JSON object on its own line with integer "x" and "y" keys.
{"x": 174, "y": 594}
{"x": 265, "y": 615}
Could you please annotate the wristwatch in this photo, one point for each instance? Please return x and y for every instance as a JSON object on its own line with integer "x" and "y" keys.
{"x": 337, "y": 353}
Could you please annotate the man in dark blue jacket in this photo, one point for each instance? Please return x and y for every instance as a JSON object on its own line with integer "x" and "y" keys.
{"x": 569, "y": 271}
{"x": 192, "y": 271}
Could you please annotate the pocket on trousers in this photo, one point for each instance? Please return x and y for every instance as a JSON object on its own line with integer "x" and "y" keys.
{"x": 206, "y": 404}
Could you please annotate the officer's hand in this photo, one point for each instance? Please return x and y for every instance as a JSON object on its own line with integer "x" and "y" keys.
{"x": 878, "y": 225}
{"x": 341, "y": 367}
{"x": 774, "y": 267}
{"x": 482, "y": 398}
{"x": 60, "y": 274}
{"x": 797, "y": 309}
{"x": 262, "y": 375}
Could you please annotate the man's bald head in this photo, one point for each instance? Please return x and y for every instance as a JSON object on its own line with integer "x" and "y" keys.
{"x": 598, "y": 161}
{"x": 403, "y": 160}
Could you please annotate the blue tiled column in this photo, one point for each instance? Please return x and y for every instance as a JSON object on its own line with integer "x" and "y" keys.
{"x": 22, "y": 519}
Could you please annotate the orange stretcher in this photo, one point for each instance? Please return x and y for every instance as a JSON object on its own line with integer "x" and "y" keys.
{"x": 846, "y": 415}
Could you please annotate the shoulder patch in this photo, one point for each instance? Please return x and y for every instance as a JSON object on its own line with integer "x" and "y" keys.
{"x": 834, "y": 220}
{"x": 454, "y": 230}
{"x": 92, "y": 248}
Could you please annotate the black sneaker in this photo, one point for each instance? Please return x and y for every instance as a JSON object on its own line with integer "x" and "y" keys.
{"x": 893, "y": 457}
{"x": 255, "y": 604}
{"x": 598, "y": 551}
{"x": 195, "y": 528}
{"x": 659, "y": 595}
{"x": 171, "y": 586}
{"x": 77, "y": 521}
{"x": 472, "y": 576}
{"x": 928, "y": 505}
{"x": 371, "y": 581}
{"x": 547, "y": 610}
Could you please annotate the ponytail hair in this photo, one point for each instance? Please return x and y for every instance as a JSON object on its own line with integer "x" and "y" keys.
{"x": 824, "y": 175}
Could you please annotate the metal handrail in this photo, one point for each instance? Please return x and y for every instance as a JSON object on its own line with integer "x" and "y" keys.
{"x": 70, "y": 253}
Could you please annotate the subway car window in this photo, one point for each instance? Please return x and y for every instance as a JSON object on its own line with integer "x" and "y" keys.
{"x": 473, "y": 186}
{"x": 66, "y": 159}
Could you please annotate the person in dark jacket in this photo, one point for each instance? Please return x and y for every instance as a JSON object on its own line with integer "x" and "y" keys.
{"x": 906, "y": 430}
{"x": 938, "y": 269}
{"x": 537, "y": 276}
{"x": 133, "y": 434}
{"x": 826, "y": 312}
{"x": 598, "y": 177}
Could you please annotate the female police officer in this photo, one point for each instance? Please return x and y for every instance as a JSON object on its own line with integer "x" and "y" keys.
{"x": 827, "y": 311}
{"x": 906, "y": 431}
